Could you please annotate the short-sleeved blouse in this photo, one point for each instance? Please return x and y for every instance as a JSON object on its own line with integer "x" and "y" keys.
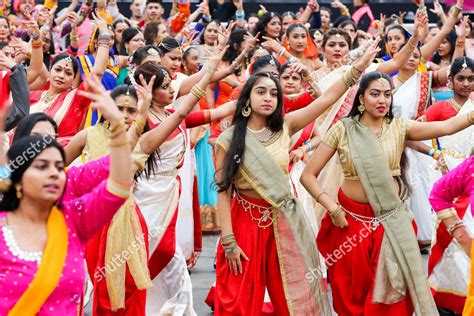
{"x": 278, "y": 149}
{"x": 392, "y": 142}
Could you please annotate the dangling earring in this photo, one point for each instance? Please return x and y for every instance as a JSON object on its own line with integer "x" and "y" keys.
{"x": 449, "y": 85}
{"x": 19, "y": 193}
{"x": 246, "y": 110}
{"x": 361, "y": 107}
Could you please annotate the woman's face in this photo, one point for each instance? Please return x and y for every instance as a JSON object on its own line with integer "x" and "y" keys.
{"x": 412, "y": 63}
{"x": 192, "y": 61}
{"x": 164, "y": 95}
{"x": 325, "y": 18}
{"x": 298, "y": 40}
{"x": 4, "y": 30}
{"x": 211, "y": 33}
{"x": 431, "y": 33}
{"x": 264, "y": 97}
{"x": 290, "y": 82}
{"x": 138, "y": 41}
{"x": 154, "y": 58}
{"x": 47, "y": 41}
{"x": 25, "y": 6}
{"x": 377, "y": 98}
{"x": 119, "y": 27}
{"x": 43, "y": 128}
{"x": 162, "y": 33}
{"x": 62, "y": 74}
{"x": 349, "y": 28}
{"x": 252, "y": 22}
{"x": 286, "y": 20}
{"x": 395, "y": 40}
{"x": 128, "y": 106}
{"x": 444, "y": 48}
{"x": 172, "y": 61}
{"x": 273, "y": 28}
{"x": 463, "y": 83}
{"x": 336, "y": 50}
{"x": 45, "y": 178}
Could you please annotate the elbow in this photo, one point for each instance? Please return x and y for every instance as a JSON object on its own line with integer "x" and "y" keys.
{"x": 306, "y": 178}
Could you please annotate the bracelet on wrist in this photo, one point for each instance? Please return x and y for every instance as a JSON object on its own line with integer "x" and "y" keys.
{"x": 336, "y": 212}
{"x": 431, "y": 152}
{"x": 470, "y": 117}
{"x": 308, "y": 145}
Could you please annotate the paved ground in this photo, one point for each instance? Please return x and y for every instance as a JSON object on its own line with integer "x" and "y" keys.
{"x": 203, "y": 275}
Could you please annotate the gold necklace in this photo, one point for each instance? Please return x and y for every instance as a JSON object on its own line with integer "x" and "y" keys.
{"x": 455, "y": 104}
{"x": 157, "y": 115}
{"x": 47, "y": 100}
{"x": 262, "y": 135}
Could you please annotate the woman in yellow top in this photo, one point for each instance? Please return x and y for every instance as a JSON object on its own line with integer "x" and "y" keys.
{"x": 374, "y": 246}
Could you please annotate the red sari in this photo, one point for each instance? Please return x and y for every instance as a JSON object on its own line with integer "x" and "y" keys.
{"x": 68, "y": 110}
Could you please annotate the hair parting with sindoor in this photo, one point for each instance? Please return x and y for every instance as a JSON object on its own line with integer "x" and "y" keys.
{"x": 236, "y": 151}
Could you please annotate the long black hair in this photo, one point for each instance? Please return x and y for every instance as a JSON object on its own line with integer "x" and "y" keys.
{"x": 236, "y": 152}
{"x": 127, "y": 35}
{"x": 364, "y": 84}
{"x": 262, "y": 24}
{"x": 27, "y": 123}
{"x": 148, "y": 70}
{"x": 451, "y": 38}
{"x": 236, "y": 38}
{"x": 25, "y": 149}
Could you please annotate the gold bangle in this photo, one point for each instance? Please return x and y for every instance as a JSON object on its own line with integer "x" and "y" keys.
{"x": 117, "y": 131}
{"x": 5, "y": 184}
{"x": 140, "y": 122}
{"x": 320, "y": 195}
{"x": 119, "y": 142}
{"x": 199, "y": 90}
{"x": 335, "y": 213}
{"x": 455, "y": 10}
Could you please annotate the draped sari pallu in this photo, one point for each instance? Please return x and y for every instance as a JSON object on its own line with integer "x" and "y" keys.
{"x": 399, "y": 270}
{"x": 295, "y": 242}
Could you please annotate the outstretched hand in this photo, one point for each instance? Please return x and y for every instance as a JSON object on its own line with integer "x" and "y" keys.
{"x": 369, "y": 55}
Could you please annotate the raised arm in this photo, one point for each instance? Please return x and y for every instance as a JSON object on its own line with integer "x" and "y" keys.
{"x": 153, "y": 139}
{"x": 19, "y": 90}
{"x": 430, "y": 130}
{"x": 102, "y": 57}
{"x": 299, "y": 119}
{"x": 120, "y": 166}
{"x": 431, "y": 46}
{"x": 397, "y": 62}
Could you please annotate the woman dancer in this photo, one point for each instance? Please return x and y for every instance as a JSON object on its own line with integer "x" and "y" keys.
{"x": 369, "y": 144}
{"x": 457, "y": 185}
{"x": 252, "y": 158}
{"x": 51, "y": 262}
{"x": 450, "y": 293}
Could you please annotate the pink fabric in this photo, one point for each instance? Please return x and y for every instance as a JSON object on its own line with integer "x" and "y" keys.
{"x": 467, "y": 6}
{"x": 458, "y": 181}
{"x": 85, "y": 216}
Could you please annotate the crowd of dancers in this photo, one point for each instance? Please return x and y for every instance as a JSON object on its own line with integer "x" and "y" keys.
{"x": 331, "y": 149}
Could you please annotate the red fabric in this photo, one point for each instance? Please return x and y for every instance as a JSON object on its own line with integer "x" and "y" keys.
{"x": 165, "y": 250}
{"x": 95, "y": 256}
{"x": 184, "y": 11}
{"x": 243, "y": 294}
{"x": 443, "y": 239}
{"x": 197, "y": 217}
{"x": 440, "y": 111}
{"x": 5, "y": 89}
{"x": 75, "y": 114}
{"x": 197, "y": 118}
{"x": 351, "y": 257}
{"x": 303, "y": 100}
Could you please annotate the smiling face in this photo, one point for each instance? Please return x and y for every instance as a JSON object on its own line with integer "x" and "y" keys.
{"x": 336, "y": 50}
{"x": 172, "y": 61}
{"x": 297, "y": 40}
{"x": 377, "y": 98}
{"x": 463, "y": 83}
{"x": 62, "y": 74}
{"x": 273, "y": 28}
{"x": 264, "y": 97}
{"x": 395, "y": 40}
{"x": 45, "y": 178}
{"x": 290, "y": 82}
{"x": 164, "y": 95}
